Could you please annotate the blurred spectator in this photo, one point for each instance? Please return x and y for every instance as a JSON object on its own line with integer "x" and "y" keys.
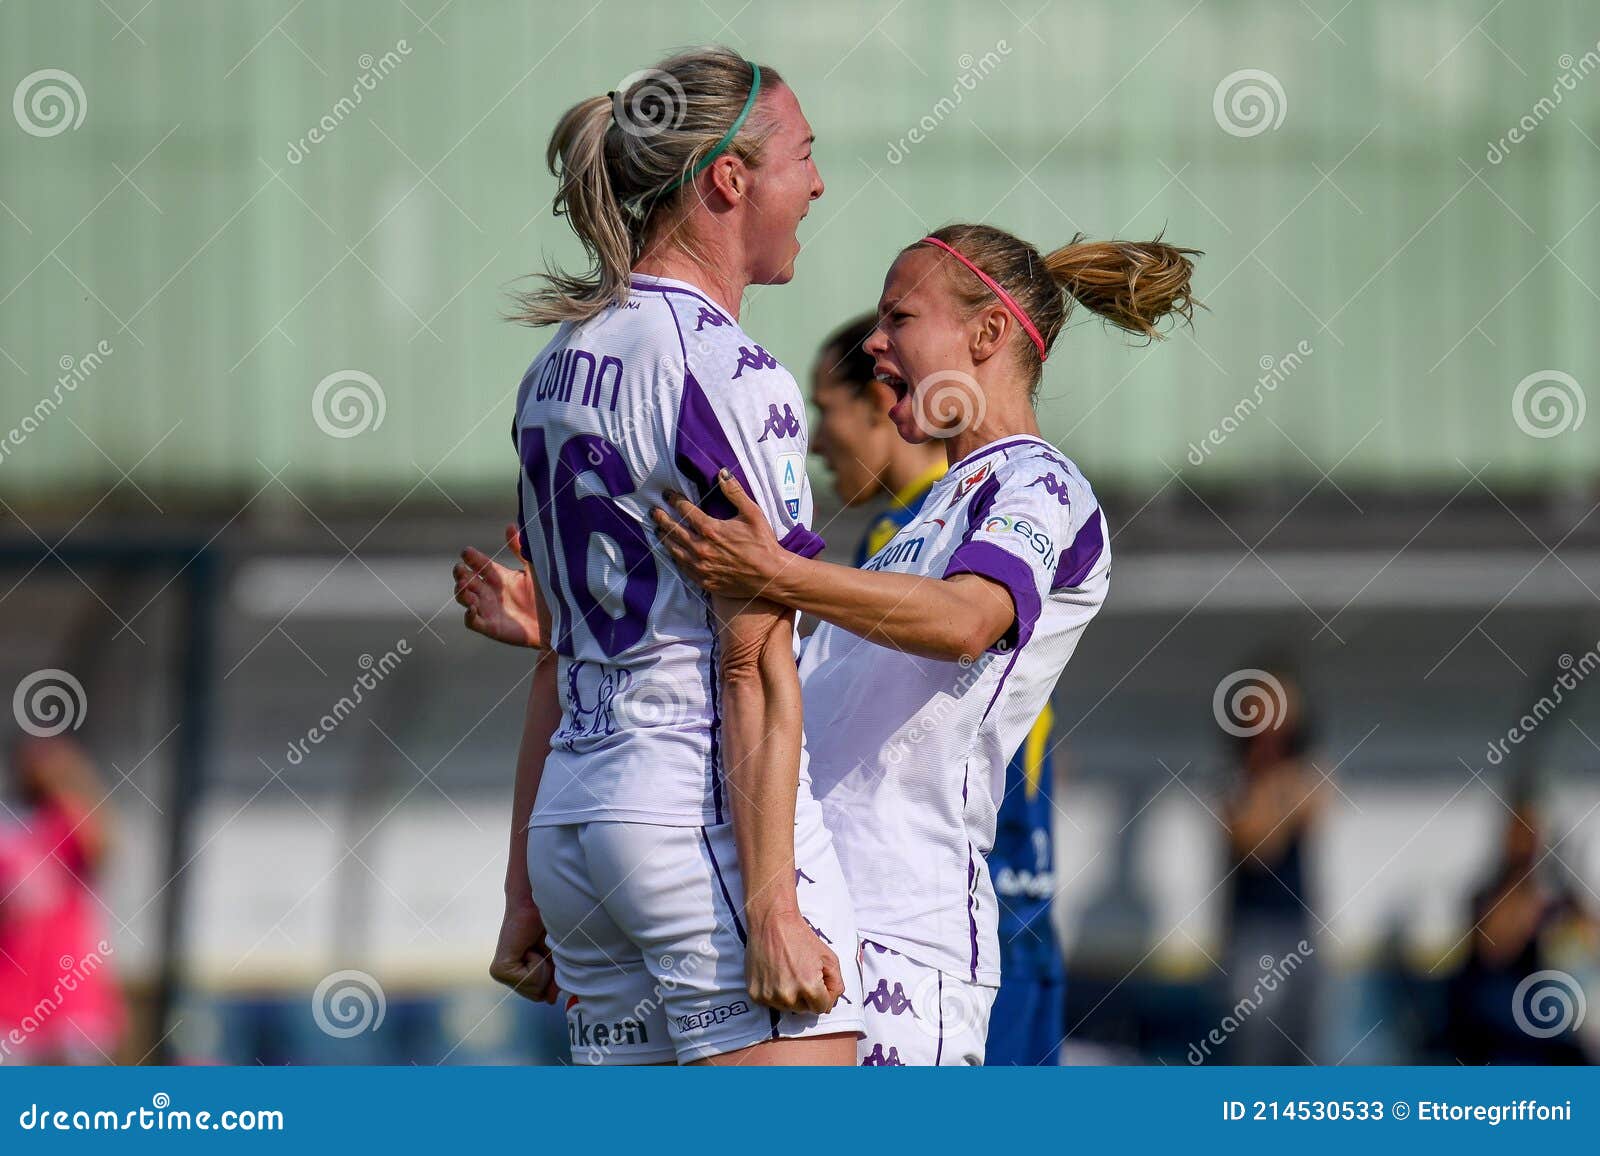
{"x": 59, "y": 1002}
{"x": 1493, "y": 1018}
{"x": 1270, "y": 818}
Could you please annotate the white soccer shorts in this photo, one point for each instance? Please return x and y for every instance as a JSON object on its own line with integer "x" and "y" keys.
{"x": 646, "y": 926}
{"x": 919, "y": 1016}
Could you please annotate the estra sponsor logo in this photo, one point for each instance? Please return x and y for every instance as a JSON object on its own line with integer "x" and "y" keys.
{"x": 583, "y": 1033}
{"x": 1038, "y": 539}
{"x": 712, "y": 1015}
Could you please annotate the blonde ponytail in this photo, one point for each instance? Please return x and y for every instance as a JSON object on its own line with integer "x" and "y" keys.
{"x": 624, "y": 163}
{"x": 1132, "y": 284}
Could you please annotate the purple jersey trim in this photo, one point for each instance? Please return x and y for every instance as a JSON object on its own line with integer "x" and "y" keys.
{"x": 704, "y": 448}
{"x": 722, "y": 883}
{"x": 996, "y": 447}
{"x": 654, "y": 287}
{"x": 1080, "y": 558}
{"x": 987, "y": 560}
{"x": 804, "y": 542}
{"x": 938, "y": 1055}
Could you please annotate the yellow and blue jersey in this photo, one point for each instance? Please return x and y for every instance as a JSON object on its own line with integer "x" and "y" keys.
{"x": 1022, "y": 863}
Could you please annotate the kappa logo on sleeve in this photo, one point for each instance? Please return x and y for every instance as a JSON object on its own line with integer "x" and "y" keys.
{"x": 1052, "y": 486}
{"x": 780, "y": 425}
{"x": 757, "y": 358}
{"x": 791, "y": 480}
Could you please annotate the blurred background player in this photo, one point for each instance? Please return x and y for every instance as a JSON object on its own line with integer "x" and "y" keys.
{"x": 57, "y": 991}
{"x": 1518, "y": 915}
{"x": 870, "y": 462}
{"x": 1271, "y": 817}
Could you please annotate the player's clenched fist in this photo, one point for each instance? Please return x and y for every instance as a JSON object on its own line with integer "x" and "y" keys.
{"x": 789, "y": 968}
{"x": 521, "y": 959}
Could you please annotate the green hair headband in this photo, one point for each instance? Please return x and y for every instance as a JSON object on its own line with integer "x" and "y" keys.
{"x": 727, "y": 137}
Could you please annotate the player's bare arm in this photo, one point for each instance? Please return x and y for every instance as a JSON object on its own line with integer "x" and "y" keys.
{"x": 950, "y": 618}
{"x": 521, "y": 956}
{"x": 786, "y": 965}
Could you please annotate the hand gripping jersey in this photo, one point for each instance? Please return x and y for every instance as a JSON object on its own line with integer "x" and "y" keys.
{"x": 908, "y": 754}
{"x": 658, "y": 393}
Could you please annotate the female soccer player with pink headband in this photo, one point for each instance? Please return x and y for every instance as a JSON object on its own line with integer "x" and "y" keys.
{"x": 934, "y": 659}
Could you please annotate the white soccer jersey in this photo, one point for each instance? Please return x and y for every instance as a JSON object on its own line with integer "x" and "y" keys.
{"x": 658, "y": 393}
{"x": 909, "y": 754}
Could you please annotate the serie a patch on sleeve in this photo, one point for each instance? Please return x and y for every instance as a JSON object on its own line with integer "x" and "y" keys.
{"x": 791, "y": 480}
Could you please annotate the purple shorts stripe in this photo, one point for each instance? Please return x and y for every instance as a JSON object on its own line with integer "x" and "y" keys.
{"x": 738, "y": 927}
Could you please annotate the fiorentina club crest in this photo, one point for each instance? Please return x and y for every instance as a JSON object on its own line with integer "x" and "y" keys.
{"x": 969, "y": 483}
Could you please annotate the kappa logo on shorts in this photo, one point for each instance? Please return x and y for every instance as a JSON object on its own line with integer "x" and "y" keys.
{"x": 583, "y": 1034}
{"x": 757, "y": 359}
{"x": 721, "y": 1013}
{"x": 876, "y": 1058}
{"x": 895, "y": 1002}
{"x": 779, "y": 425}
{"x": 817, "y": 931}
{"x": 709, "y": 317}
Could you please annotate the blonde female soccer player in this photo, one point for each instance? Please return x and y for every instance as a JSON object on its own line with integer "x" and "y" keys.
{"x": 666, "y": 855}
{"x": 935, "y": 659}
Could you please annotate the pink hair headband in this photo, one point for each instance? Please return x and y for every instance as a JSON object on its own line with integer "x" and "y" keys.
{"x": 1006, "y": 299}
